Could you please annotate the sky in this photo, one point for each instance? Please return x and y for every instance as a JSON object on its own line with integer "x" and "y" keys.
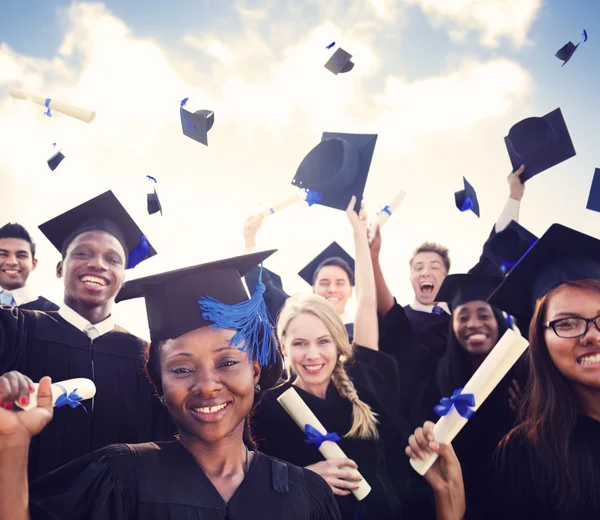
{"x": 439, "y": 81}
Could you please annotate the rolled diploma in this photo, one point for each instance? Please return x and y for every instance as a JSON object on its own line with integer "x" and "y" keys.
{"x": 85, "y": 388}
{"x": 87, "y": 116}
{"x": 382, "y": 216}
{"x": 282, "y": 205}
{"x": 302, "y": 415}
{"x": 495, "y": 366}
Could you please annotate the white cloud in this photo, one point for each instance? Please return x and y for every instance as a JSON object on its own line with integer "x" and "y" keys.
{"x": 494, "y": 19}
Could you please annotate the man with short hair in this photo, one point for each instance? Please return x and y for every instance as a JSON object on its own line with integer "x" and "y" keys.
{"x": 17, "y": 261}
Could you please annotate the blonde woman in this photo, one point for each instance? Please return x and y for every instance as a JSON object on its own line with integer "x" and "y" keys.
{"x": 350, "y": 388}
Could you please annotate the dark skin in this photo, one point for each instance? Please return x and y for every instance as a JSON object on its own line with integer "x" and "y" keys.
{"x": 94, "y": 271}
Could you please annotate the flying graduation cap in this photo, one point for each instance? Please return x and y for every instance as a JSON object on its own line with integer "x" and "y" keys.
{"x": 539, "y": 143}
{"x": 506, "y": 248}
{"x": 333, "y": 250}
{"x": 196, "y": 125}
{"x": 467, "y": 199}
{"x": 56, "y": 159}
{"x": 593, "y": 202}
{"x": 565, "y": 53}
{"x": 154, "y": 205}
{"x": 458, "y": 289}
{"x": 340, "y": 63}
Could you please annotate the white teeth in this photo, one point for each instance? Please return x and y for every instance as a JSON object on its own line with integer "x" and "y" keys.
{"x": 95, "y": 280}
{"x": 313, "y": 367}
{"x": 11, "y": 271}
{"x": 477, "y": 337}
{"x": 589, "y": 360}
{"x": 210, "y": 409}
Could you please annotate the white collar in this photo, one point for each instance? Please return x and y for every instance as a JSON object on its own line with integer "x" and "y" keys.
{"x": 79, "y": 322}
{"x": 418, "y": 306}
{"x": 22, "y": 295}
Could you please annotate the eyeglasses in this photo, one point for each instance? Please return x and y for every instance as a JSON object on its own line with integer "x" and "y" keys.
{"x": 572, "y": 327}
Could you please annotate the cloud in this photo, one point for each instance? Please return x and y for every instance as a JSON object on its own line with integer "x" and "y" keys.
{"x": 494, "y": 19}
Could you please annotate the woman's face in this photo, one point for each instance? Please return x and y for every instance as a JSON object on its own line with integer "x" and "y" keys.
{"x": 475, "y": 327}
{"x": 312, "y": 352}
{"x": 208, "y": 384}
{"x": 578, "y": 359}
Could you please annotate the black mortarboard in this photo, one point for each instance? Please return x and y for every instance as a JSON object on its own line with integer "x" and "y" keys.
{"x": 154, "y": 205}
{"x": 593, "y": 202}
{"x": 336, "y": 169}
{"x": 55, "y": 160}
{"x": 103, "y": 212}
{"x": 505, "y": 249}
{"x": 458, "y": 289}
{"x": 560, "y": 255}
{"x": 340, "y": 62}
{"x": 467, "y": 199}
{"x": 566, "y": 52}
{"x": 539, "y": 143}
{"x": 196, "y": 125}
{"x": 214, "y": 294}
{"x": 333, "y": 250}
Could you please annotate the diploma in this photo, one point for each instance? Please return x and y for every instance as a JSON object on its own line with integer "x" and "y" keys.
{"x": 302, "y": 415}
{"x": 385, "y": 214}
{"x": 66, "y": 393}
{"x": 282, "y": 205}
{"x": 87, "y": 116}
{"x": 495, "y": 366}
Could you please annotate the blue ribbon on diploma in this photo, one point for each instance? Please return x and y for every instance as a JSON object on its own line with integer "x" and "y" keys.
{"x": 387, "y": 210}
{"x": 47, "y": 105}
{"x": 313, "y": 196}
{"x": 72, "y": 400}
{"x": 467, "y": 204}
{"x": 317, "y": 438}
{"x": 462, "y": 403}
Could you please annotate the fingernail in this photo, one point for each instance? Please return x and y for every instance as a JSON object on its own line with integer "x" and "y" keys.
{"x": 25, "y": 401}
{"x": 1, "y": 403}
{"x": 31, "y": 388}
{"x": 435, "y": 446}
{"x": 8, "y": 406}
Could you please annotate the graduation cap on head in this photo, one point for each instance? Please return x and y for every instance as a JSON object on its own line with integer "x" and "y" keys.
{"x": 467, "y": 199}
{"x": 211, "y": 294}
{"x": 506, "y": 248}
{"x": 539, "y": 143}
{"x": 196, "y": 125}
{"x": 560, "y": 255}
{"x": 336, "y": 169}
{"x": 593, "y": 202}
{"x": 105, "y": 213}
{"x": 333, "y": 250}
{"x": 340, "y": 62}
{"x": 458, "y": 289}
{"x": 566, "y": 52}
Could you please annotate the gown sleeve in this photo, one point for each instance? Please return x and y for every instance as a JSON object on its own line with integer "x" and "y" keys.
{"x": 100, "y": 485}
{"x": 15, "y": 329}
{"x": 323, "y": 505}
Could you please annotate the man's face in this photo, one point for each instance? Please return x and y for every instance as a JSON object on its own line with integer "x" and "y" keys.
{"x": 333, "y": 284}
{"x": 426, "y": 276}
{"x": 16, "y": 263}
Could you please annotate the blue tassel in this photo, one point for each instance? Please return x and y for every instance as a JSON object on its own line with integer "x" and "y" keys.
{"x": 313, "y": 196}
{"x": 47, "y": 105}
{"x": 139, "y": 253}
{"x": 467, "y": 204}
{"x": 186, "y": 121}
{"x": 330, "y": 45}
{"x": 507, "y": 265}
{"x": 151, "y": 178}
{"x": 247, "y": 318}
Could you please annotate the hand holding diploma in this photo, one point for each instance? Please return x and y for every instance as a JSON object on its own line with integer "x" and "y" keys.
{"x": 87, "y": 116}
{"x": 385, "y": 214}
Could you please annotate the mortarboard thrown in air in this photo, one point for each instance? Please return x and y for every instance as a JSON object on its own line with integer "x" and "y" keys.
{"x": 336, "y": 169}
{"x": 196, "y": 125}
{"x": 560, "y": 255}
{"x": 153, "y": 202}
{"x": 505, "y": 249}
{"x": 340, "y": 63}
{"x": 565, "y": 53}
{"x": 539, "y": 143}
{"x": 333, "y": 250}
{"x": 593, "y": 202}
{"x": 466, "y": 199}
{"x": 56, "y": 159}
{"x": 211, "y": 294}
{"x": 458, "y": 289}
{"x": 104, "y": 213}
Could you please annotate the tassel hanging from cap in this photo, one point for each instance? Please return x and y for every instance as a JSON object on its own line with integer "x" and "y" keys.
{"x": 139, "y": 253}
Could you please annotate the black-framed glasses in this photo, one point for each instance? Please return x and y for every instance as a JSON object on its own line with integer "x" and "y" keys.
{"x": 572, "y": 327}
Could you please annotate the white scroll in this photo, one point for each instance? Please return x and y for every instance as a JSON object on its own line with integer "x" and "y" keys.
{"x": 83, "y": 388}
{"x": 87, "y": 116}
{"x": 302, "y": 415}
{"x": 384, "y": 214}
{"x": 489, "y": 374}
{"x": 283, "y": 204}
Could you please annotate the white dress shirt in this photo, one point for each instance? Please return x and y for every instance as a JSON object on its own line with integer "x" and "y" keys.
{"x": 79, "y": 322}
{"x": 21, "y": 296}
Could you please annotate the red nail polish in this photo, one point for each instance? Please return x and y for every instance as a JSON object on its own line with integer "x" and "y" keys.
{"x": 25, "y": 401}
{"x": 9, "y": 406}
{"x": 1, "y": 403}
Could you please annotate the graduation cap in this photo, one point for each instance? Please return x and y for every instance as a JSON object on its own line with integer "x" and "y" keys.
{"x": 467, "y": 199}
{"x": 333, "y": 250}
{"x": 196, "y": 125}
{"x": 539, "y": 143}
{"x": 560, "y": 255}
{"x": 506, "y": 248}
{"x": 340, "y": 62}
{"x": 105, "y": 213}
{"x": 593, "y": 202}
{"x": 55, "y": 160}
{"x": 211, "y": 294}
{"x": 336, "y": 169}
{"x": 458, "y": 289}
{"x": 566, "y": 52}
{"x": 154, "y": 205}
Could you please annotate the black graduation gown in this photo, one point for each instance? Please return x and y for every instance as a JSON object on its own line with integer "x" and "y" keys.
{"x": 278, "y": 435}
{"x": 429, "y": 329}
{"x": 515, "y": 495}
{"x": 162, "y": 481}
{"x": 41, "y": 304}
{"x": 124, "y": 409}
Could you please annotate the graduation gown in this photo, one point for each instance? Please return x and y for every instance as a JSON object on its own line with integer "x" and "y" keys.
{"x": 162, "y": 481}
{"x": 41, "y": 304}
{"x": 374, "y": 375}
{"x": 429, "y": 329}
{"x": 124, "y": 409}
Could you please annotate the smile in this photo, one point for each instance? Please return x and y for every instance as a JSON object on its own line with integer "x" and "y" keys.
{"x": 94, "y": 281}
{"x": 478, "y": 336}
{"x": 426, "y": 288}
{"x": 11, "y": 271}
{"x": 590, "y": 359}
{"x": 313, "y": 369}
{"x": 210, "y": 409}
{"x": 209, "y": 414}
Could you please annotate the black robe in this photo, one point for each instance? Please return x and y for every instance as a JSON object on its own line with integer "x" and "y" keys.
{"x": 429, "y": 329}
{"x": 375, "y": 378}
{"x": 41, "y": 304}
{"x": 162, "y": 481}
{"x": 124, "y": 409}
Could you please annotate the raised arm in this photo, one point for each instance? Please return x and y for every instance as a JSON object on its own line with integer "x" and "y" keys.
{"x": 366, "y": 331}
{"x": 385, "y": 299}
{"x": 511, "y": 208}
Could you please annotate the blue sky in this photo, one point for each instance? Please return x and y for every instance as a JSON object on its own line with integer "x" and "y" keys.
{"x": 441, "y": 87}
